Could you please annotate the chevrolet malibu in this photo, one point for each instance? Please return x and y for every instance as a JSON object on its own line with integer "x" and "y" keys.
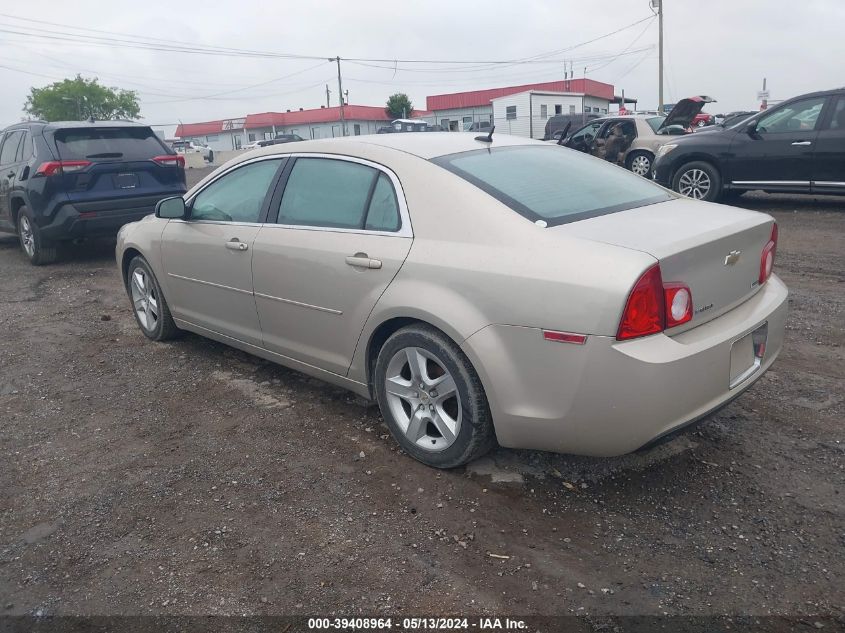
{"x": 479, "y": 290}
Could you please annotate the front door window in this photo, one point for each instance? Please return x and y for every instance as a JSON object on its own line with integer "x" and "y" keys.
{"x": 238, "y": 196}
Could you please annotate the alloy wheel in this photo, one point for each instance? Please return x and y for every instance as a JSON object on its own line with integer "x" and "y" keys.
{"x": 694, "y": 183}
{"x": 27, "y": 237}
{"x": 423, "y": 398}
{"x": 144, "y": 299}
{"x": 641, "y": 165}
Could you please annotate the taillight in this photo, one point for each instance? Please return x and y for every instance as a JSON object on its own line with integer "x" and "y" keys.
{"x": 767, "y": 257}
{"x": 654, "y": 306}
{"x": 644, "y": 311}
{"x": 170, "y": 159}
{"x": 53, "y": 167}
{"x": 678, "y": 300}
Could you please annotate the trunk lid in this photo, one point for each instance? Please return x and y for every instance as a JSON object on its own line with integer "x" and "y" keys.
{"x": 121, "y": 165}
{"x": 685, "y": 111}
{"x": 714, "y": 249}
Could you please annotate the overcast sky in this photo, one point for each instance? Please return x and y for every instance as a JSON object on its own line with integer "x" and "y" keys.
{"x": 722, "y": 48}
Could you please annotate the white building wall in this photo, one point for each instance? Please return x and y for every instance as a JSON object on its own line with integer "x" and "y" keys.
{"x": 308, "y": 131}
{"x": 519, "y": 124}
{"x": 555, "y": 103}
{"x": 456, "y": 117}
{"x": 596, "y": 105}
{"x": 220, "y": 142}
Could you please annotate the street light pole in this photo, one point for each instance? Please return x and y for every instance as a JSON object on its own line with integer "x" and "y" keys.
{"x": 660, "y": 47}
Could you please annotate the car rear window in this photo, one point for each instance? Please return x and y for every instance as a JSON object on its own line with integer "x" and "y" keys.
{"x": 553, "y": 184}
{"x": 127, "y": 143}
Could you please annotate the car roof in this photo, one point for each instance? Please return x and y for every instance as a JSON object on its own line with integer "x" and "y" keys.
{"x": 61, "y": 125}
{"x": 425, "y": 146}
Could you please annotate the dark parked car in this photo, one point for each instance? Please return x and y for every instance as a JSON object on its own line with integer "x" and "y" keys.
{"x": 797, "y": 146}
{"x": 281, "y": 138}
{"x": 560, "y": 121}
{"x": 67, "y": 180}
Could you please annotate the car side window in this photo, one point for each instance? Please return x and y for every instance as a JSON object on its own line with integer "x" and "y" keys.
{"x": 238, "y": 196}
{"x": 24, "y": 148}
{"x": 801, "y": 116}
{"x": 383, "y": 213}
{"x": 837, "y": 122}
{"x": 587, "y": 133}
{"x": 329, "y": 193}
{"x": 10, "y": 147}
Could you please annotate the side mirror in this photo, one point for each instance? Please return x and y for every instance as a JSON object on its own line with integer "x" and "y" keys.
{"x": 171, "y": 208}
{"x": 751, "y": 129}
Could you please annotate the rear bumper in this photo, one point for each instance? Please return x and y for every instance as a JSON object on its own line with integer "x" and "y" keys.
{"x": 608, "y": 397}
{"x": 102, "y": 218}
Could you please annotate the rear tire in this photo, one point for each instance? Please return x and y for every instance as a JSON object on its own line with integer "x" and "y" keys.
{"x": 37, "y": 250}
{"x": 148, "y": 303}
{"x": 441, "y": 429}
{"x": 640, "y": 163}
{"x": 698, "y": 180}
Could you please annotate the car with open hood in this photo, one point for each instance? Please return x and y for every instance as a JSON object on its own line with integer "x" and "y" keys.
{"x": 632, "y": 140}
{"x": 481, "y": 290}
{"x": 797, "y": 146}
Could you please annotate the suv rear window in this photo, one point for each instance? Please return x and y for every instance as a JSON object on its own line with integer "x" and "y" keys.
{"x": 127, "y": 143}
{"x": 551, "y": 183}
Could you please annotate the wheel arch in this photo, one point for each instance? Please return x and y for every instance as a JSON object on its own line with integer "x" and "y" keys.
{"x": 129, "y": 254}
{"x": 16, "y": 203}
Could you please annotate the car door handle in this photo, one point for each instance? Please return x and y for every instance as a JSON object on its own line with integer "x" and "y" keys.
{"x": 803, "y": 143}
{"x": 236, "y": 245}
{"x": 362, "y": 260}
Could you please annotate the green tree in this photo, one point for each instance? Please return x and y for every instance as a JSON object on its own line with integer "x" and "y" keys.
{"x": 79, "y": 98}
{"x": 399, "y": 106}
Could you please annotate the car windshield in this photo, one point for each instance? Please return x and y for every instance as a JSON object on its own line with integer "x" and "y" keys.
{"x": 552, "y": 184}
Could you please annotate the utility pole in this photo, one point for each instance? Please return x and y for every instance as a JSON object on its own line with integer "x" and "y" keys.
{"x": 328, "y": 97}
{"x": 659, "y": 5}
{"x": 340, "y": 95}
{"x": 764, "y": 96}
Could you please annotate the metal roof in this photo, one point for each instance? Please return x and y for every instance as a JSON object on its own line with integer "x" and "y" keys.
{"x": 475, "y": 98}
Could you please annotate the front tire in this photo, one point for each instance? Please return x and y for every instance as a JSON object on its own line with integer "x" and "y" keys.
{"x": 37, "y": 250}
{"x": 640, "y": 163}
{"x": 148, "y": 303}
{"x": 698, "y": 180}
{"x": 432, "y": 399}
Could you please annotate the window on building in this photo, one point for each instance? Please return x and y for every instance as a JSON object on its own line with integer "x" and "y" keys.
{"x": 510, "y": 112}
{"x": 444, "y": 123}
{"x": 558, "y": 109}
{"x": 268, "y": 136}
{"x": 467, "y": 119}
{"x": 211, "y": 138}
{"x": 356, "y": 129}
{"x": 544, "y": 111}
{"x": 572, "y": 109}
{"x": 251, "y": 138}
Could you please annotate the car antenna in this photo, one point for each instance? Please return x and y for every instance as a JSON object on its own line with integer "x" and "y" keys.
{"x": 488, "y": 138}
{"x": 563, "y": 134}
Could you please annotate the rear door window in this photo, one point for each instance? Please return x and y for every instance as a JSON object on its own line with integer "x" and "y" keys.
{"x": 10, "y": 147}
{"x": 24, "y": 148}
{"x": 123, "y": 143}
{"x": 323, "y": 192}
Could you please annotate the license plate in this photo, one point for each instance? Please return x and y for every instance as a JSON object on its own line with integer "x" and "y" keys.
{"x": 747, "y": 355}
{"x": 125, "y": 181}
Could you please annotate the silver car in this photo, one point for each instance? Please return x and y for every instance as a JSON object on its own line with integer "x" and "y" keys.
{"x": 512, "y": 291}
{"x": 632, "y": 140}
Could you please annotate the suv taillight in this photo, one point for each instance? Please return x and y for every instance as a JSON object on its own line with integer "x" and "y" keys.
{"x": 170, "y": 159}
{"x": 53, "y": 167}
{"x": 654, "y": 306}
{"x": 767, "y": 257}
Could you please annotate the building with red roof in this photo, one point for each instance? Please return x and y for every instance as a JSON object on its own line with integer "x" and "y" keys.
{"x": 313, "y": 123}
{"x": 456, "y": 110}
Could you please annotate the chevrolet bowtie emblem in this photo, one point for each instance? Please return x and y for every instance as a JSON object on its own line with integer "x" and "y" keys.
{"x": 732, "y": 258}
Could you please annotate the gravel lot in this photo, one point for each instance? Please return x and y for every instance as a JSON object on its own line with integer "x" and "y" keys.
{"x": 191, "y": 478}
